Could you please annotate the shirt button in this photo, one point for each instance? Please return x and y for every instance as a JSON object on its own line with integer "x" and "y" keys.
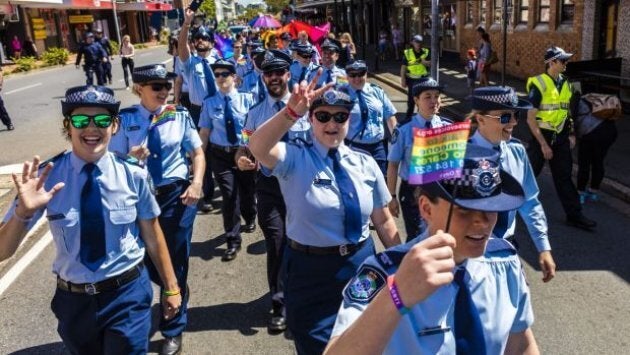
{"x": 155, "y": 156}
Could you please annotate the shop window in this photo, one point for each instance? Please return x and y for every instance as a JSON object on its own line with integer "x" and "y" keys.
{"x": 497, "y": 11}
{"x": 482, "y": 12}
{"x": 567, "y": 11}
{"x": 544, "y": 9}
{"x": 523, "y": 11}
{"x": 469, "y": 11}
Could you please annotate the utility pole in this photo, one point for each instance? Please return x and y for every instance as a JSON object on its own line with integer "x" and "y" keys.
{"x": 506, "y": 18}
{"x": 435, "y": 40}
{"x": 116, "y": 27}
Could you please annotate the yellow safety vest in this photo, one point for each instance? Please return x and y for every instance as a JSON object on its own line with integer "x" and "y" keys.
{"x": 415, "y": 68}
{"x": 554, "y": 106}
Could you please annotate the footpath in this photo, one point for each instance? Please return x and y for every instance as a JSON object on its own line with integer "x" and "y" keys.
{"x": 456, "y": 105}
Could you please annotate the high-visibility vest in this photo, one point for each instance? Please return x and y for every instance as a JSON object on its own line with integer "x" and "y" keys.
{"x": 554, "y": 106}
{"x": 415, "y": 68}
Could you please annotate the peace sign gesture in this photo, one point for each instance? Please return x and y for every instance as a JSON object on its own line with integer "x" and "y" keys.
{"x": 304, "y": 94}
{"x": 30, "y": 187}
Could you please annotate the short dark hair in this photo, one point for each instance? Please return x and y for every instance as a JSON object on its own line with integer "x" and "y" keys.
{"x": 485, "y": 36}
{"x": 419, "y": 192}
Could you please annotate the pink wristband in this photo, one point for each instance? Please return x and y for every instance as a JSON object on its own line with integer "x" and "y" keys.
{"x": 393, "y": 292}
{"x": 292, "y": 113}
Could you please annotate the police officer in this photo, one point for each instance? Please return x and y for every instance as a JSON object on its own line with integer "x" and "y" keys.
{"x": 253, "y": 82}
{"x": 94, "y": 55}
{"x": 458, "y": 293}
{"x": 552, "y": 132}
{"x": 414, "y": 67}
{"x": 371, "y": 116}
{"x": 426, "y": 93}
{"x": 102, "y": 216}
{"x": 222, "y": 120}
{"x": 328, "y": 234}
{"x": 239, "y": 60}
{"x": 107, "y": 46}
{"x": 496, "y": 110}
{"x": 162, "y": 135}
{"x": 303, "y": 68}
{"x": 331, "y": 72}
{"x": 286, "y": 43}
{"x": 272, "y": 210}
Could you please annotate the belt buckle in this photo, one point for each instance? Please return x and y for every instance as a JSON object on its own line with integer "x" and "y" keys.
{"x": 90, "y": 289}
{"x": 343, "y": 250}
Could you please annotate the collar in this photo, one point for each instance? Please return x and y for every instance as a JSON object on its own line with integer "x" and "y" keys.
{"x": 146, "y": 113}
{"x": 230, "y": 94}
{"x": 103, "y": 163}
{"x": 482, "y": 141}
{"x": 271, "y": 101}
{"x": 323, "y": 151}
{"x": 421, "y": 120}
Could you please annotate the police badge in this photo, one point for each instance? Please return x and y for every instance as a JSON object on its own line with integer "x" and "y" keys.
{"x": 485, "y": 178}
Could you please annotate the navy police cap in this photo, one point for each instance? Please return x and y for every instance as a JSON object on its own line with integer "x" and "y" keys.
{"x": 203, "y": 32}
{"x": 223, "y": 64}
{"x": 151, "y": 72}
{"x": 333, "y": 97}
{"x": 425, "y": 83}
{"x": 274, "y": 60}
{"x": 89, "y": 96}
{"x": 285, "y": 36}
{"x": 490, "y": 98}
{"x": 356, "y": 66}
{"x": 483, "y": 186}
{"x": 304, "y": 49}
{"x": 331, "y": 44}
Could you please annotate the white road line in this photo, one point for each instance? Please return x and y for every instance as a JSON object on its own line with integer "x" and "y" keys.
{"x": 27, "y": 259}
{"x": 167, "y": 61}
{"x": 22, "y": 88}
{"x": 144, "y": 54}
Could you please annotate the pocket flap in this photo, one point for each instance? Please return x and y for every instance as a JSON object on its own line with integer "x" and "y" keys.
{"x": 123, "y": 215}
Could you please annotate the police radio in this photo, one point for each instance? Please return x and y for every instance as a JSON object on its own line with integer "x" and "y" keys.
{"x": 194, "y": 5}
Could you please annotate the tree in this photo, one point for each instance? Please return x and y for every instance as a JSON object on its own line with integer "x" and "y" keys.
{"x": 275, "y": 6}
{"x": 249, "y": 14}
{"x": 209, "y": 9}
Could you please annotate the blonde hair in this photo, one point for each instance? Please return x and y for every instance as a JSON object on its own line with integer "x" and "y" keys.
{"x": 347, "y": 36}
{"x": 126, "y": 37}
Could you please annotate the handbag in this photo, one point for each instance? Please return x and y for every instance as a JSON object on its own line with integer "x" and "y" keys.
{"x": 493, "y": 58}
{"x": 604, "y": 106}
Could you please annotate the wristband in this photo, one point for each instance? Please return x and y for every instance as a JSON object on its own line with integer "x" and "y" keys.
{"x": 292, "y": 113}
{"x": 169, "y": 293}
{"x": 22, "y": 219}
{"x": 393, "y": 292}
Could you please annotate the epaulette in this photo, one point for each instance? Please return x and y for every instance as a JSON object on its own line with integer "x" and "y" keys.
{"x": 301, "y": 142}
{"x": 400, "y": 124}
{"x": 127, "y": 159}
{"x": 359, "y": 150}
{"x": 131, "y": 109}
{"x": 390, "y": 259}
{"x": 499, "y": 246}
{"x": 515, "y": 140}
{"x": 376, "y": 86}
{"x": 51, "y": 160}
{"x": 181, "y": 108}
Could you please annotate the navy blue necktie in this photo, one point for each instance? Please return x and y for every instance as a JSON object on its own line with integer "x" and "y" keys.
{"x": 364, "y": 110}
{"x": 228, "y": 117}
{"x": 303, "y": 75}
{"x": 154, "y": 162}
{"x": 92, "y": 252}
{"x": 207, "y": 72}
{"x": 328, "y": 76}
{"x": 261, "y": 89}
{"x": 279, "y": 106}
{"x": 428, "y": 125}
{"x": 353, "y": 226}
{"x": 502, "y": 217}
{"x": 468, "y": 329}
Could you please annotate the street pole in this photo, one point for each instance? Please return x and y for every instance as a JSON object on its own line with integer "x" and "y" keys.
{"x": 505, "y": 26}
{"x": 116, "y": 27}
{"x": 435, "y": 41}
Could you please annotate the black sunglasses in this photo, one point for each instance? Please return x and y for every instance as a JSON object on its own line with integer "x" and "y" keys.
{"x": 504, "y": 118}
{"x": 160, "y": 86}
{"x": 338, "y": 117}
{"x": 356, "y": 74}
{"x": 223, "y": 74}
{"x": 277, "y": 72}
{"x": 102, "y": 120}
{"x": 305, "y": 55}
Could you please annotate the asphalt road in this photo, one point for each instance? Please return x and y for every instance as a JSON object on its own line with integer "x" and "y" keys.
{"x": 584, "y": 310}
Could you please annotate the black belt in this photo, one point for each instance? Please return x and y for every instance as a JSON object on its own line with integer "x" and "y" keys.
{"x": 165, "y": 189}
{"x": 350, "y": 143}
{"x": 102, "y": 286}
{"x": 342, "y": 250}
{"x": 225, "y": 149}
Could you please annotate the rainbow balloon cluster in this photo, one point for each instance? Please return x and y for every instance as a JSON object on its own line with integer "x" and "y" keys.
{"x": 438, "y": 153}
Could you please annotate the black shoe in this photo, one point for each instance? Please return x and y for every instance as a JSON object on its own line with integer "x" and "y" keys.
{"x": 277, "y": 323}
{"x": 171, "y": 345}
{"x": 10, "y": 127}
{"x": 230, "y": 253}
{"x": 205, "y": 207}
{"x": 580, "y": 221}
{"x": 249, "y": 227}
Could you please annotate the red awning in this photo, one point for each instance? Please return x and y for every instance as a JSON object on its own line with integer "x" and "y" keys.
{"x": 91, "y": 4}
{"x": 144, "y": 6}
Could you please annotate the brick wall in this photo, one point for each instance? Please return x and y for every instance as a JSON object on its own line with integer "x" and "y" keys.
{"x": 623, "y": 45}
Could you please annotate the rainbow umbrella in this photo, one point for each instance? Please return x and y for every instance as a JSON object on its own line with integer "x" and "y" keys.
{"x": 267, "y": 21}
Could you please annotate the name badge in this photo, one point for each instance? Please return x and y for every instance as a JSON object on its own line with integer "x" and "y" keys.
{"x": 433, "y": 331}
{"x": 322, "y": 182}
{"x": 133, "y": 128}
{"x": 54, "y": 217}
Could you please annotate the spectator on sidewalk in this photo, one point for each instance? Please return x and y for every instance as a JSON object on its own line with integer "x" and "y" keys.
{"x": 413, "y": 69}
{"x": 4, "y": 115}
{"x": 126, "y": 53}
{"x": 348, "y": 50}
{"x": 16, "y": 47}
{"x": 29, "y": 48}
{"x": 397, "y": 40}
{"x": 485, "y": 51}
{"x": 383, "y": 43}
{"x": 471, "y": 70}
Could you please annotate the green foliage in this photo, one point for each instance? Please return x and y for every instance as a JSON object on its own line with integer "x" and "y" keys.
{"x": 165, "y": 33}
{"x": 208, "y": 8}
{"x": 275, "y": 6}
{"x": 115, "y": 47}
{"x": 55, "y": 56}
{"x": 249, "y": 14}
{"x": 24, "y": 64}
{"x": 140, "y": 46}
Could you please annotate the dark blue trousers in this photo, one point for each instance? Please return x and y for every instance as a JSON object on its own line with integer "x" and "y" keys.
{"x": 114, "y": 322}
{"x": 313, "y": 289}
{"x": 414, "y": 224}
{"x": 378, "y": 151}
{"x": 90, "y": 71}
{"x": 177, "y": 222}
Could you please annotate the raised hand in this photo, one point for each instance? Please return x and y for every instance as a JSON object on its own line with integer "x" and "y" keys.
{"x": 304, "y": 94}
{"x": 31, "y": 193}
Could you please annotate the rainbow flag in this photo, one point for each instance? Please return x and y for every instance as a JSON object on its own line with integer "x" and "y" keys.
{"x": 225, "y": 46}
{"x": 245, "y": 134}
{"x": 168, "y": 114}
{"x": 438, "y": 153}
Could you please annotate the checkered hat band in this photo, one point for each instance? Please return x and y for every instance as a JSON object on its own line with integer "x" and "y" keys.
{"x": 500, "y": 99}
{"x": 147, "y": 72}
{"x": 554, "y": 57}
{"x": 80, "y": 97}
{"x": 466, "y": 179}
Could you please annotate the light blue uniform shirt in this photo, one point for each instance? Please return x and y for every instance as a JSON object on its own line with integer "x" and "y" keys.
{"x": 263, "y": 111}
{"x": 497, "y": 285}
{"x": 514, "y": 160}
{"x": 178, "y": 137}
{"x": 402, "y": 141}
{"x": 335, "y": 74}
{"x": 315, "y": 212}
{"x": 241, "y": 65}
{"x": 380, "y": 108}
{"x": 179, "y": 70}
{"x": 213, "y": 117}
{"x": 195, "y": 74}
{"x": 253, "y": 83}
{"x": 296, "y": 71}
{"x": 126, "y": 198}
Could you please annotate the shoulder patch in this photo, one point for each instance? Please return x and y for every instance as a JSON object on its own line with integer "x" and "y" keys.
{"x": 394, "y": 136}
{"x": 365, "y": 285}
{"x": 128, "y": 110}
{"x": 51, "y": 160}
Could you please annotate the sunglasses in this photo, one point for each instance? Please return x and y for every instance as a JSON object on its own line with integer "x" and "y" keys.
{"x": 356, "y": 74}
{"x": 338, "y": 117}
{"x": 160, "y": 86}
{"x": 81, "y": 121}
{"x": 223, "y": 74}
{"x": 277, "y": 72}
{"x": 305, "y": 56}
{"x": 238, "y": 47}
{"x": 203, "y": 38}
{"x": 504, "y": 118}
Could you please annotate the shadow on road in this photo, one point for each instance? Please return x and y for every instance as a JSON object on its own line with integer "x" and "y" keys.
{"x": 243, "y": 317}
{"x": 50, "y": 349}
{"x": 208, "y": 249}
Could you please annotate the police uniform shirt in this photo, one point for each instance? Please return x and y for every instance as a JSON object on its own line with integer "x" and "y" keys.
{"x": 337, "y": 76}
{"x": 126, "y": 198}
{"x": 193, "y": 70}
{"x": 179, "y": 70}
{"x": 213, "y": 116}
{"x": 380, "y": 108}
{"x": 263, "y": 111}
{"x": 94, "y": 53}
{"x": 253, "y": 83}
{"x": 296, "y": 71}
{"x": 178, "y": 137}
{"x": 496, "y": 282}
{"x": 514, "y": 160}
{"x": 241, "y": 65}
{"x": 315, "y": 213}
{"x": 402, "y": 140}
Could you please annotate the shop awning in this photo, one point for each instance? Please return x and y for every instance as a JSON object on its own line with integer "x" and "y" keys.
{"x": 144, "y": 6}
{"x": 90, "y": 4}
{"x": 314, "y": 3}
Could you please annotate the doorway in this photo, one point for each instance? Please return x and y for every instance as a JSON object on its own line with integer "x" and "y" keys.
{"x": 608, "y": 29}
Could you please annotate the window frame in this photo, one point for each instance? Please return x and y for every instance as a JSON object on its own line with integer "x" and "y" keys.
{"x": 539, "y": 12}
{"x": 520, "y": 11}
{"x": 561, "y": 12}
